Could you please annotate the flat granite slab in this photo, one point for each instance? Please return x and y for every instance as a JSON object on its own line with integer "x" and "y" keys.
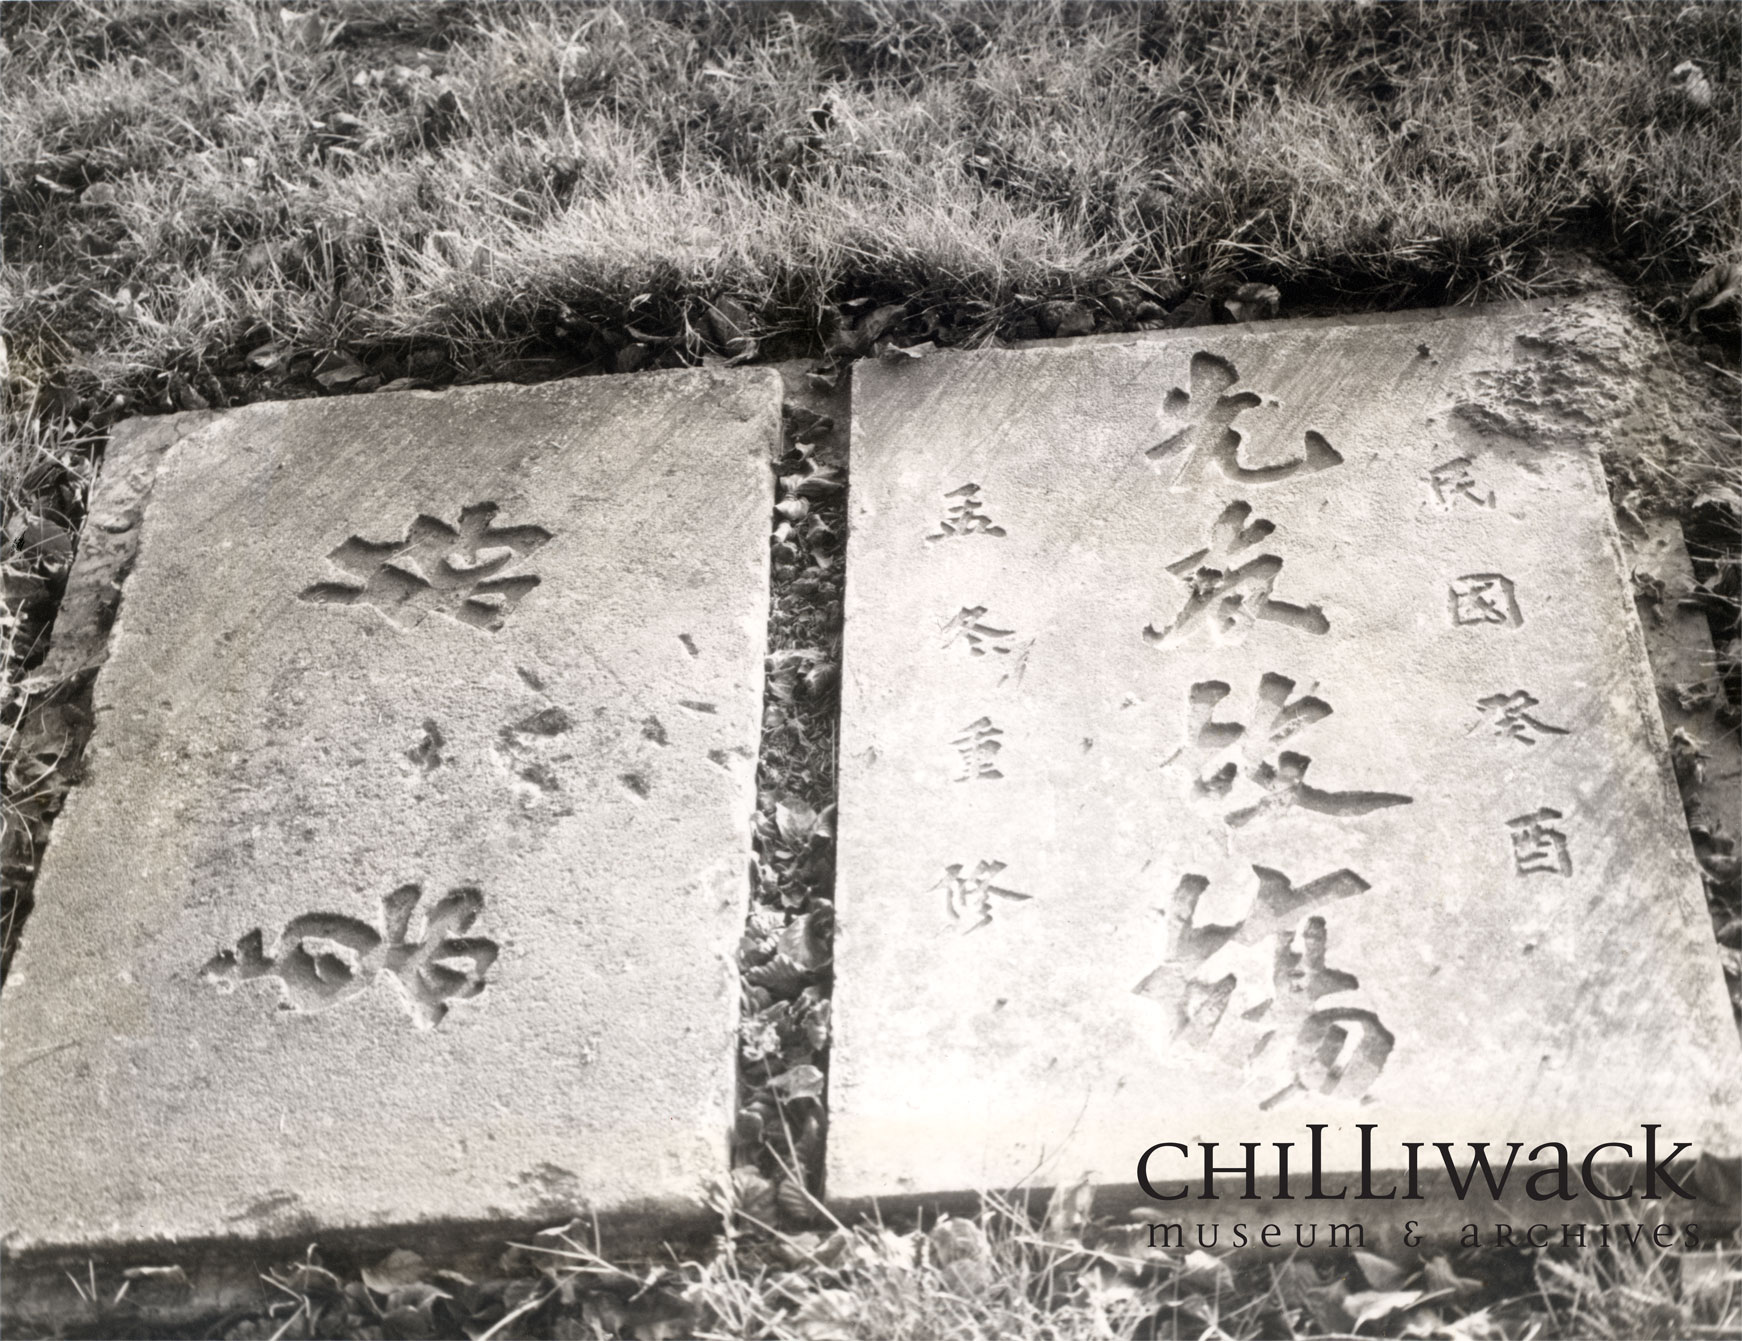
{"x": 1246, "y": 729}
{"x": 405, "y": 878}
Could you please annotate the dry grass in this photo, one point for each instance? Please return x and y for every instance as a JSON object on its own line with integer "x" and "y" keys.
{"x": 1014, "y": 1272}
{"x": 47, "y": 465}
{"x": 188, "y": 180}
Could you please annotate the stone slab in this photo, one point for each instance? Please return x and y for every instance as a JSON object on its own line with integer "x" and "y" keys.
{"x": 404, "y": 881}
{"x": 1246, "y": 728}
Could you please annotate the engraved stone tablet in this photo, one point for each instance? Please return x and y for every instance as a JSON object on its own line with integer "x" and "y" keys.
{"x": 1245, "y": 729}
{"x": 405, "y": 876}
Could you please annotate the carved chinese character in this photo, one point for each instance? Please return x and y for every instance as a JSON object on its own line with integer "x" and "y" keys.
{"x": 970, "y": 898}
{"x": 978, "y": 746}
{"x": 1228, "y": 599}
{"x": 324, "y": 958}
{"x": 1199, "y": 429}
{"x": 1195, "y": 1008}
{"x": 969, "y": 627}
{"x": 1284, "y": 1036}
{"x": 1339, "y": 1050}
{"x": 1485, "y": 598}
{"x": 1231, "y": 762}
{"x": 454, "y": 572}
{"x": 964, "y": 517}
{"x": 1511, "y": 717}
{"x": 1538, "y": 848}
{"x": 1455, "y": 480}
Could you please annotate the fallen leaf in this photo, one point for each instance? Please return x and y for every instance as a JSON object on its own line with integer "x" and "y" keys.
{"x": 1439, "y": 1274}
{"x": 881, "y": 319}
{"x": 1380, "y": 1274}
{"x": 729, "y": 319}
{"x": 817, "y": 482}
{"x": 1691, "y": 696}
{"x": 1371, "y": 1305}
{"x": 1477, "y": 1326}
{"x": 807, "y": 1146}
{"x": 407, "y": 1324}
{"x": 780, "y": 976}
{"x": 336, "y": 370}
{"x": 399, "y": 1269}
{"x": 1687, "y": 756}
{"x": 803, "y": 943}
{"x": 1066, "y": 318}
{"x": 807, "y": 426}
{"x": 1253, "y": 302}
{"x": 1723, "y": 867}
{"x": 1689, "y": 82}
{"x": 305, "y": 32}
{"x": 793, "y": 1202}
{"x": 955, "y": 1240}
{"x": 1719, "y": 286}
{"x": 796, "y": 821}
{"x": 801, "y": 1082}
{"x": 820, "y": 678}
{"x": 753, "y": 1194}
{"x": 269, "y": 356}
{"x": 1208, "y": 1269}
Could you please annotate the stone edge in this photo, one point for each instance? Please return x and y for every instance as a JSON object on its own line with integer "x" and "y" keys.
{"x": 1411, "y": 316}
{"x": 1437, "y": 1219}
{"x": 226, "y": 1276}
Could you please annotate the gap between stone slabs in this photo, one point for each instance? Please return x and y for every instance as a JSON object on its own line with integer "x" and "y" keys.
{"x": 786, "y": 957}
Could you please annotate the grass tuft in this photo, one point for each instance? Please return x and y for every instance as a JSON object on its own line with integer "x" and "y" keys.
{"x": 186, "y": 180}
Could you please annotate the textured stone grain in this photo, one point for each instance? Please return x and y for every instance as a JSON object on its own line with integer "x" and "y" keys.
{"x": 349, "y": 769}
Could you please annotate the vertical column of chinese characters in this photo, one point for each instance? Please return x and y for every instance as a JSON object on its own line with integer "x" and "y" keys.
{"x": 968, "y": 892}
{"x": 1487, "y": 604}
{"x": 1274, "y": 1022}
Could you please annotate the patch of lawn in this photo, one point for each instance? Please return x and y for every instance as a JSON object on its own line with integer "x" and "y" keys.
{"x": 188, "y": 181}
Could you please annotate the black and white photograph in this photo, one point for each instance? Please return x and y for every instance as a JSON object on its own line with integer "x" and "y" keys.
{"x": 871, "y": 670}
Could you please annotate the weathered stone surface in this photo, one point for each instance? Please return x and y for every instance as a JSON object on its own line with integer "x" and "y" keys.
{"x": 109, "y": 541}
{"x": 1247, "y": 728}
{"x": 405, "y": 878}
